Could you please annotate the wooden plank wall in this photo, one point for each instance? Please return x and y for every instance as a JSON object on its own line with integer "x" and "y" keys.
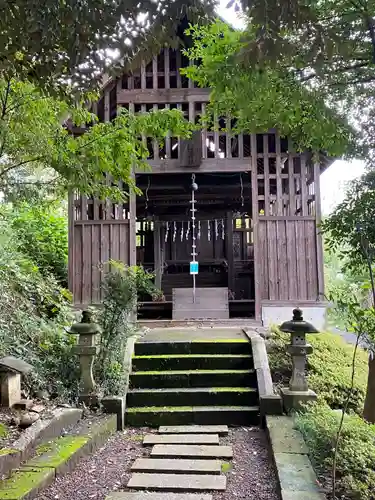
{"x": 288, "y": 264}
{"x": 95, "y": 243}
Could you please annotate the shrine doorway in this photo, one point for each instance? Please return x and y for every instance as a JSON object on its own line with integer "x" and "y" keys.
{"x": 224, "y": 238}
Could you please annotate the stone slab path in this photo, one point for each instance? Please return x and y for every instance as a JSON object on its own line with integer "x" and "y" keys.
{"x": 169, "y": 473}
{"x": 250, "y": 474}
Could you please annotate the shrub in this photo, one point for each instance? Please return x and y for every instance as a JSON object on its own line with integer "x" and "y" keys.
{"x": 41, "y": 232}
{"x": 34, "y": 311}
{"x": 121, "y": 286}
{"x": 356, "y": 453}
{"x": 329, "y": 368}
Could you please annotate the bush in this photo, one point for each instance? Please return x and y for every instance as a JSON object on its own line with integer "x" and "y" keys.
{"x": 34, "y": 311}
{"x": 356, "y": 453}
{"x": 329, "y": 368}
{"x": 121, "y": 286}
{"x": 41, "y": 232}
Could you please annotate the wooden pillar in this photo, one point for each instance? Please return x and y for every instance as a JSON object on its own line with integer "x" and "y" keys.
{"x": 229, "y": 250}
{"x": 157, "y": 253}
{"x": 71, "y": 242}
{"x": 255, "y": 218}
{"x": 319, "y": 239}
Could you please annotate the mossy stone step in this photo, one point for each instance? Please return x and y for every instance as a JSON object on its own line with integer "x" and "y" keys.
{"x": 208, "y": 396}
{"x": 191, "y": 451}
{"x": 122, "y": 495}
{"x": 222, "y": 430}
{"x": 217, "y": 346}
{"x": 193, "y": 378}
{"x": 192, "y": 362}
{"x": 185, "y": 415}
{"x": 176, "y": 466}
{"x": 177, "y": 482}
{"x": 151, "y": 439}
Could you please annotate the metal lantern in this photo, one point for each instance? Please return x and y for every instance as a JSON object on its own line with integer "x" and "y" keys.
{"x": 298, "y": 349}
{"x": 86, "y": 349}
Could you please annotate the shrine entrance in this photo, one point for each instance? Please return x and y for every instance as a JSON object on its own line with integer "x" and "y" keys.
{"x": 223, "y": 238}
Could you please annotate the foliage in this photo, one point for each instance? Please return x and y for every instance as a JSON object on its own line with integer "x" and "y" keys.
{"x": 352, "y": 224}
{"x": 34, "y": 312}
{"x": 41, "y": 234}
{"x": 121, "y": 286}
{"x": 328, "y": 45}
{"x": 32, "y": 140}
{"x": 356, "y": 453}
{"x": 329, "y": 368}
{"x": 262, "y": 97}
{"x": 62, "y": 45}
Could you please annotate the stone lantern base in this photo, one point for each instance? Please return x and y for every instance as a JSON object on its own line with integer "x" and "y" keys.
{"x": 292, "y": 400}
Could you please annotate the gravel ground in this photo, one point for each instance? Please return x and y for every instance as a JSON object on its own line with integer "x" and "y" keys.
{"x": 251, "y": 475}
{"x": 106, "y": 470}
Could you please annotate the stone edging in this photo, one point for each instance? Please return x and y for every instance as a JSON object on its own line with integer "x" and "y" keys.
{"x": 39, "y": 432}
{"x": 269, "y": 402}
{"x": 54, "y": 459}
{"x": 117, "y": 404}
{"x": 295, "y": 473}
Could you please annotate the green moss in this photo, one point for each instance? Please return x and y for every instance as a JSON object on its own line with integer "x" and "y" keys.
{"x": 193, "y": 356}
{"x": 24, "y": 481}
{"x": 43, "y": 448}
{"x": 60, "y": 450}
{"x": 7, "y": 451}
{"x": 226, "y": 467}
{"x": 191, "y": 372}
{"x": 232, "y": 389}
{"x": 150, "y": 409}
{"x": 221, "y": 341}
{"x": 135, "y": 437}
{"x": 3, "y": 431}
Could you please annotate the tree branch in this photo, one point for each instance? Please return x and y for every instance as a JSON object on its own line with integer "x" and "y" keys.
{"x": 12, "y": 167}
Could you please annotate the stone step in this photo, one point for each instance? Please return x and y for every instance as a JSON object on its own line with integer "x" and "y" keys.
{"x": 122, "y": 495}
{"x": 177, "y": 482}
{"x": 191, "y": 451}
{"x": 217, "y": 396}
{"x": 151, "y": 439}
{"x": 222, "y": 430}
{"x": 193, "y": 378}
{"x": 186, "y": 415}
{"x": 162, "y": 362}
{"x": 176, "y": 466}
{"x": 218, "y": 346}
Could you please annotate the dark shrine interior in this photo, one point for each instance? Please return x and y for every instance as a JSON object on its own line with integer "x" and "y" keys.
{"x": 223, "y": 237}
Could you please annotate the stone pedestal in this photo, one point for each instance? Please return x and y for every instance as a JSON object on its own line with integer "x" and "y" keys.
{"x": 292, "y": 400}
{"x": 10, "y": 389}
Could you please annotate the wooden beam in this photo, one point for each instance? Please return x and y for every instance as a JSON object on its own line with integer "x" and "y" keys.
{"x": 292, "y": 196}
{"x": 255, "y": 218}
{"x": 157, "y": 253}
{"x": 162, "y": 96}
{"x": 71, "y": 210}
{"x": 279, "y": 193}
{"x": 207, "y": 165}
{"x": 319, "y": 238}
{"x": 229, "y": 250}
{"x": 266, "y": 167}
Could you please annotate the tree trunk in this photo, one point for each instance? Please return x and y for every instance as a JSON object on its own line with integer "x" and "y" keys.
{"x": 369, "y": 410}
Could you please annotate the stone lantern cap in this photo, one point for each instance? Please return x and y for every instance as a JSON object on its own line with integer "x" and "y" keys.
{"x": 86, "y": 326}
{"x": 14, "y": 365}
{"x": 298, "y": 324}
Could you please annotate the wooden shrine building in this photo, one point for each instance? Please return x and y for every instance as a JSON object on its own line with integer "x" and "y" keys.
{"x": 258, "y": 211}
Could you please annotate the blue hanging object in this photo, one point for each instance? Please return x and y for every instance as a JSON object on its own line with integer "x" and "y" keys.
{"x": 194, "y": 266}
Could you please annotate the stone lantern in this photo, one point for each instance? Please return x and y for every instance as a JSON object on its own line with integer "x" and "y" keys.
{"x": 86, "y": 349}
{"x": 298, "y": 391}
